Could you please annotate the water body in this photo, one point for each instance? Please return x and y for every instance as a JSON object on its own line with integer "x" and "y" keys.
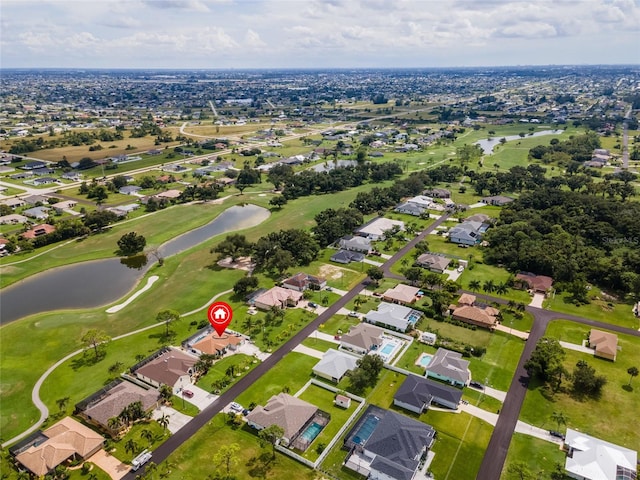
{"x": 488, "y": 143}
{"x": 100, "y": 282}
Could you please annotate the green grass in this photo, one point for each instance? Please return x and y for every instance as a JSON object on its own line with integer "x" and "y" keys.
{"x": 333, "y": 464}
{"x": 182, "y": 405}
{"x": 606, "y": 417}
{"x": 135, "y": 434}
{"x": 323, "y": 399}
{"x": 337, "y": 323}
{"x": 193, "y": 459}
{"x": 540, "y": 456}
{"x": 497, "y": 366}
{"x": 319, "y": 344}
{"x": 292, "y": 372}
{"x": 616, "y": 313}
{"x": 95, "y": 470}
{"x": 219, "y": 369}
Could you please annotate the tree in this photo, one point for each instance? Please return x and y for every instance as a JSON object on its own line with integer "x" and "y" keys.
{"x": 488, "y": 286}
{"x": 244, "y": 285}
{"x": 560, "y": 418}
{"x": 93, "y": 339}
{"x": 234, "y": 246}
{"x": 114, "y": 423}
{"x": 226, "y": 457}
{"x": 272, "y": 435}
{"x": 633, "y": 371}
{"x": 585, "y": 380}
{"x": 520, "y": 471}
{"x": 131, "y": 446}
{"x": 278, "y": 201}
{"x": 475, "y": 285}
{"x": 366, "y": 373}
{"x": 147, "y": 435}
{"x": 545, "y": 358}
{"x": 63, "y": 402}
{"x": 164, "y": 421}
{"x": 167, "y": 316}
{"x": 166, "y": 392}
{"x": 131, "y": 243}
{"x": 375, "y": 273}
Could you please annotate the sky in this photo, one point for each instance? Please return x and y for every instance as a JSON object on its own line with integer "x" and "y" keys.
{"x": 223, "y": 34}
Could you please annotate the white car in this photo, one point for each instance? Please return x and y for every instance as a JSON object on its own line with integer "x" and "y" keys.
{"x": 235, "y": 407}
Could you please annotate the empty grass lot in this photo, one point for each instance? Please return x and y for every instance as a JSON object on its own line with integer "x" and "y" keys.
{"x": 540, "y": 456}
{"x": 194, "y": 458}
{"x": 606, "y": 417}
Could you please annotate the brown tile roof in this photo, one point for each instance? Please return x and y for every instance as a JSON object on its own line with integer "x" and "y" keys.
{"x": 401, "y": 293}
{"x": 168, "y": 367}
{"x": 605, "y": 343}
{"x": 467, "y": 299}
{"x": 117, "y": 399}
{"x": 283, "y": 410}
{"x": 38, "y": 230}
{"x": 213, "y": 343}
{"x": 278, "y": 296}
{"x": 486, "y": 316}
{"x": 540, "y": 283}
{"x": 363, "y": 335}
{"x": 65, "y": 438}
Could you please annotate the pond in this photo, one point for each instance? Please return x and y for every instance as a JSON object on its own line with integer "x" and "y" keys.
{"x": 487, "y": 144}
{"x": 100, "y": 282}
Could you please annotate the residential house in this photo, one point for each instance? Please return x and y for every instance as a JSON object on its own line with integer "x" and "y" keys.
{"x": 13, "y": 219}
{"x": 589, "y": 458}
{"x": 39, "y": 213}
{"x": 301, "y": 281}
{"x": 362, "y": 338}
{"x": 129, "y": 189}
{"x": 480, "y": 315}
{"x": 277, "y": 297}
{"x": 605, "y": 344}
{"x": 410, "y": 209}
{"x": 437, "y": 193}
{"x": 346, "y": 257}
{"x": 402, "y": 294}
{"x": 64, "y": 205}
{"x": 386, "y": 445}
{"x": 44, "y": 181}
{"x": 449, "y": 367}
{"x": 377, "y": 228}
{"x": 467, "y": 233}
{"x": 14, "y": 203}
{"x": 531, "y": 281}
{"x": 41, "y": 172}
{"x": 356, "y": 244}
{"x": 169, "y": 194}
{"x": 417, "y": 394}
{"x": 109, "y": 402}
{"x": 433, "y": 262}
{"x": 424, "y": 202}
{"x": 393, "y": 316}
{"x": 497, "y": 200}
{"x": 72, "y": 176}
{"x": 334, "y": 365}
{"x": 208, "y": 341}
{"x": 21, "y": 175}
{"x": 65, "y": 440}
{"x": 38, "y": 230}
{"x": 169, "y": 366}
{"x": 289, "y": 413}
{"x": 36, "y": 200}
{"x": 33, "y": 165}
{"x": 480, "y": 218}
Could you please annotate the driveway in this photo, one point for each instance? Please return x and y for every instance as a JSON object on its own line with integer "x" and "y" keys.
{"x": 578, "y": 348}
{"x": 537, "y": 300}
{"x": 453, "y": 274}
{"x": 201, "y": 398}
{"x": 177, "y": 420}
{"x": 312, "y": 352}
{"x": 110, "y": 464}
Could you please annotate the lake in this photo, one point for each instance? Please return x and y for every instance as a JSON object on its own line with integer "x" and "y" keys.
{"x": 488, "y": 143}
{"x": 101, "y": 282}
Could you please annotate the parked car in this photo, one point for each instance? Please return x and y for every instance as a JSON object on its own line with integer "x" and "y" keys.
{"x": 477, "y": 385}
{"x": 187, "y": 393}
{"x": 353, "y": 314}
{"x": 329, "y": 289}
{"x": 556, "y": 434}
{"x": 236, "y": 407}
{"x": 313, "y": 305}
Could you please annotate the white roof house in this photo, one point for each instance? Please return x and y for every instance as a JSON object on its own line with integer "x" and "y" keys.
{"x": 590, "y": 458}
{"x": 394, "y": 316}
{"x": 334, "y": 365}
{"x": 376, "y": 228}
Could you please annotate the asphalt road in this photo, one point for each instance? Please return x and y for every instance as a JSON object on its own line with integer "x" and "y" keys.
{"x": 182, "y": 435}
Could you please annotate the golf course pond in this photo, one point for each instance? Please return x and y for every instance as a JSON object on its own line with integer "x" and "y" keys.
{"x": 100, "y": 282}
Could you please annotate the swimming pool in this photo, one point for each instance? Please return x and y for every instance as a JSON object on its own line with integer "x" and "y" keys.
{"x": 311, "y": 432}
{"x": 366, "y": 429}
{"x": 424, "y": 360}
{"x": 388, "y": 348}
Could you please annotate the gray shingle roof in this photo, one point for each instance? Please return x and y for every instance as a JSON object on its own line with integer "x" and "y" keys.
{"x": 418, "y": 391}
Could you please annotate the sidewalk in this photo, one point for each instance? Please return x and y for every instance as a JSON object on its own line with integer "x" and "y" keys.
{"x": 578, "y": 348}
{"x": 512, "y": 331}
{"x": 312, "y": 352}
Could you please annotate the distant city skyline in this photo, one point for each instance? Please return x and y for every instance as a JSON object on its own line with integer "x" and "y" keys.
{"x": 222, "y": 34}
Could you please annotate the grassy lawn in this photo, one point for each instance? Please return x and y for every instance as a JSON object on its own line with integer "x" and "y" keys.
{"x": 183, "y": 406}
{"x": 323, "y": 399}
{"x": 193, "y": 459}
{"x": 292, "y": 372}
{"x": 319, "y": 344}
{"x": 98, "y": 474}
{"x": 540, "y": 456}
{"x": 333, "y": 464}
{"x": 483, "y": 272}
{"x": 606, "y": 417}
{"x": 239, "y": 361}
{"x": 135, "y": 434}
{"x": 616, "y": 313}
{"x": 337, "y": 323}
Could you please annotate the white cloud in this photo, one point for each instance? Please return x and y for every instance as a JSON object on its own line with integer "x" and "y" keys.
{"x": 252, "y": 40}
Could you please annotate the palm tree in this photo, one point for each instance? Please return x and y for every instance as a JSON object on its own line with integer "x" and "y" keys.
{"x": 488, "y": 286}
{"x": 474, "y": 285}
{"x": 164, "y": 421}
{"x": 633, "y": 371}
{"x": 511, "y": 304}
{"x": 521, "y": 307}
{"x": 502, "y": 288}
{"x": 147, "y": 435}
{"x": 560, "y": 418}
{"x": 166, "y": 392}
{"x": 131, "y": 446}
{"x": 62, "y": 403}
{"x": 114, "y": 423}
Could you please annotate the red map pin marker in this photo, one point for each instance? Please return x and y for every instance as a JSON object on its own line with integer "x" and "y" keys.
{"x": 220, "y": 315}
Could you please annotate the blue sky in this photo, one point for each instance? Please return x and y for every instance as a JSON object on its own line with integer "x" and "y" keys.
{"x": 316, "y": 33}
